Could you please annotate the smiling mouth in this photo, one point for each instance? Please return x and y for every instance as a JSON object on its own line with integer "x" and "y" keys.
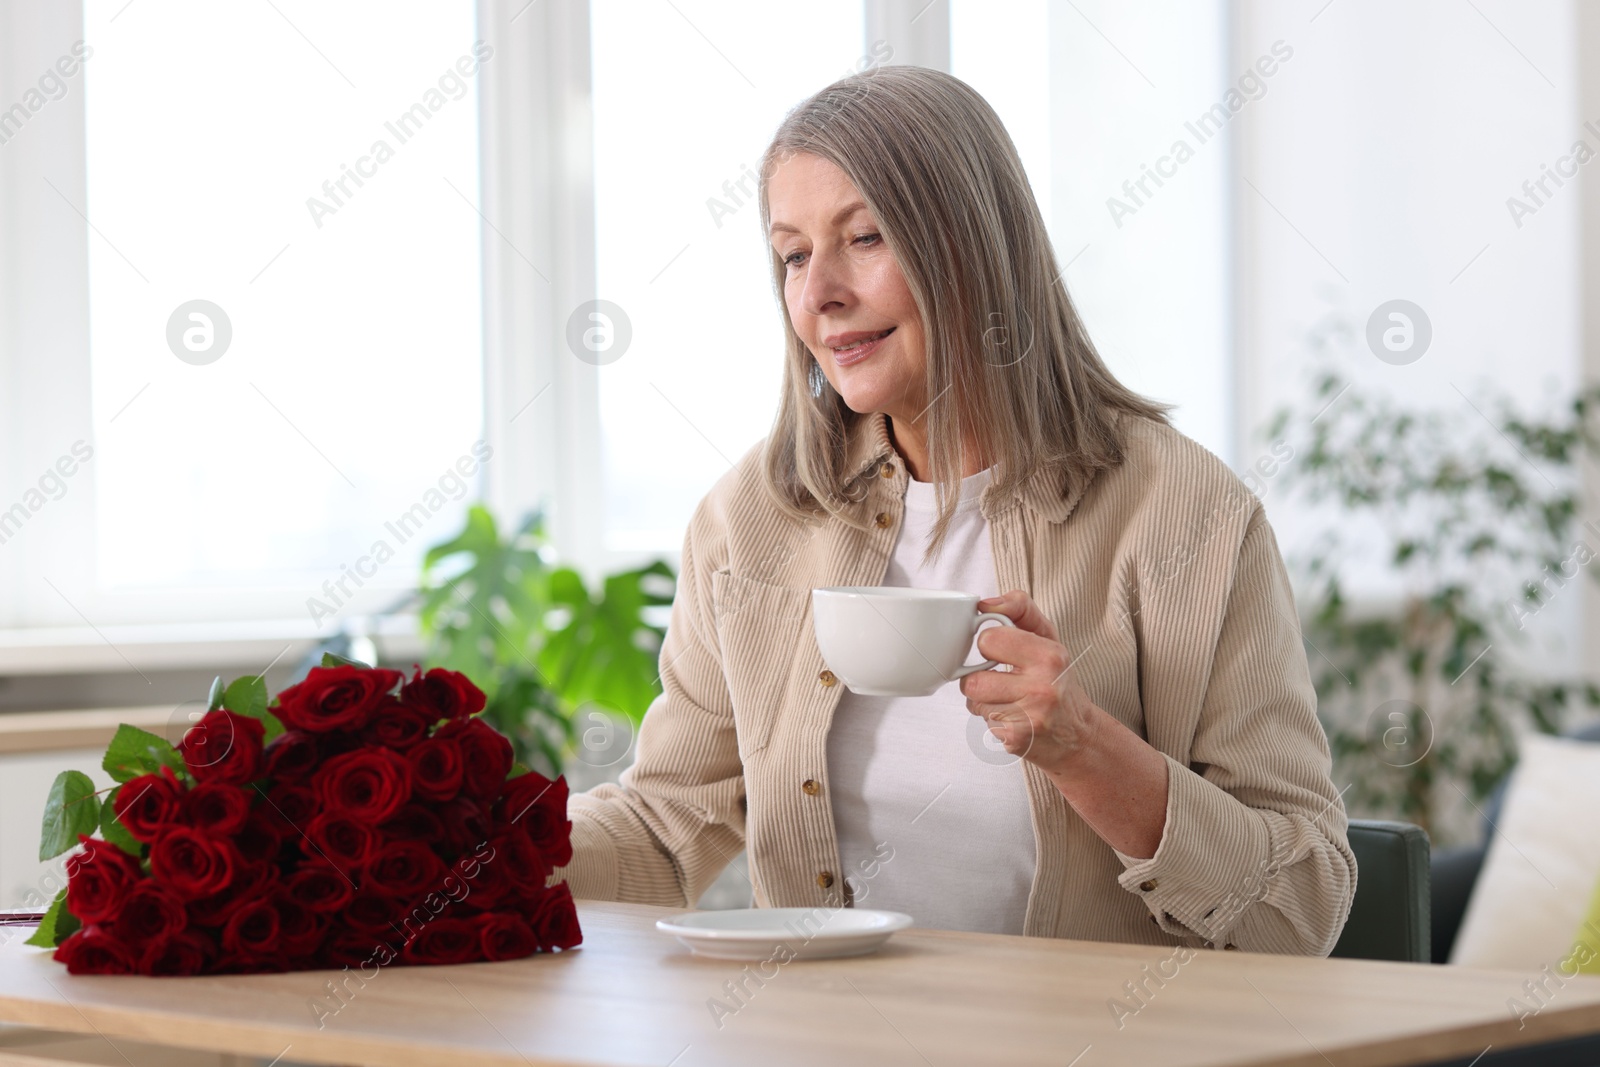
{"x": 848, "y": 350}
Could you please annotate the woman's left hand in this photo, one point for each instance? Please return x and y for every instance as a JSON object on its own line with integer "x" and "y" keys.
{"x": 1037, "y": 709}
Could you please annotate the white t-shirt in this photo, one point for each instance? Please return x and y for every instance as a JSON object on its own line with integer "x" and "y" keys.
{"x": 920, "y": 780}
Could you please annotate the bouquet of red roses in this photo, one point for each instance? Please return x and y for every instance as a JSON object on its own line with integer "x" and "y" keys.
{"x": 361, "y": 819}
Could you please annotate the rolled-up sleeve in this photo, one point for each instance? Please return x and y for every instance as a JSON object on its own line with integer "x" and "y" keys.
{"x": 675, "y": 818}
{"x": 1254, "y": 854}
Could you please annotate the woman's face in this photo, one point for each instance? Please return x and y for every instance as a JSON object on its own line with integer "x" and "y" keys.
{"x": 842, "y": 284}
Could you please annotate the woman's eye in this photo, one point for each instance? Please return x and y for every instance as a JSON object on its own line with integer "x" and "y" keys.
{"x": 790, "y": 259}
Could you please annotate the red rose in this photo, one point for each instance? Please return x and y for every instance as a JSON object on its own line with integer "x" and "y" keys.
{"x": 292, "y": 756}
{"x": 252, "y": 931}
{"x": 415, "y": 823}
{"x": 396, "y": 726}
{"x": 217, "y": 808}
{"x": 505, "y": 935}
{"x": 223, "y": 747}
{"x": 525, "y": 866}
{"x": 146, "y": 805}
{"x": 292, "y": 808}
{"x": 260, "y": 838}
{"x": 436, "y": 768}
{"x": 335, "y": 698}
{"x": 554, "y": 918}
{"x": 371, "y": 914}
{"x": 443, "y": 693}
{"x": 338, "y": 743}
{"x": 100, "y": 879}
{"x": 369, "y": 784}
{"x": 341, "y": 840}
{"x": 488, "y": 880}
{"x": 466, "y": 826}
{"x": 300, "y": 929}
{"x": 404, "y": 869}
{"x": 251, "y": 882}
{"x": 193, "y": 864}
{"x": 319, "y": 887}
{"x": 444, "y": 940}
{"x": 538, "y": 807}
{"x": 150, "y": 913}
{"x": 94, "y": 949}
{"x": 182, "y": 954}
{"x": 486, "y": 756}
{"x": 353, "y": 950}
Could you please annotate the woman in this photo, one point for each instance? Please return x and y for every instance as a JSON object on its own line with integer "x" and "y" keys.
{"x": 945, "y": 422}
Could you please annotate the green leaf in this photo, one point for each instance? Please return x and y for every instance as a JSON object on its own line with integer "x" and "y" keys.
{"x": 498, "y": 608}
{"x": 606, "y": 653}
{"x": 479, "y": 537}
{"x": 57, "y": 925}
{"x": 215, "y": 700}
{"x": 247, "y": 696}
{"x": 133, "y": 752}
{"x": 70, "y": 810}
{"x": 329, "y": 659}
{"x": 112, "y": 830}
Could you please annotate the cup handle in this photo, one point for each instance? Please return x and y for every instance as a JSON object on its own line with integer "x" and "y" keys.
{"x": 967, "y": 668}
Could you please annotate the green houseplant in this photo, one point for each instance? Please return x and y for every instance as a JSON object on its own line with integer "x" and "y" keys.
{"x": 543, "y": 646}
{"x": 1472, "y": 509}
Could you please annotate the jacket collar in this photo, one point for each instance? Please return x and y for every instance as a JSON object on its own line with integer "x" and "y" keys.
{"x": 1050, "y": 496}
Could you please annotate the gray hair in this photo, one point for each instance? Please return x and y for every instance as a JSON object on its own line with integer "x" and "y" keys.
{"x": 939, "y": 173}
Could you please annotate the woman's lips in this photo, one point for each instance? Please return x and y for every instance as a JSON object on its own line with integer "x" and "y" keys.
{"x": 845, "y": 357}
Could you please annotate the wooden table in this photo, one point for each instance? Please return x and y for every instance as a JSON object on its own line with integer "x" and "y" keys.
{"x": 632, "y": 995}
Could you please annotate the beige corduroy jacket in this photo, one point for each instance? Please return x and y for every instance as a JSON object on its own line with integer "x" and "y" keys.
{"x": 1162, "y": 577}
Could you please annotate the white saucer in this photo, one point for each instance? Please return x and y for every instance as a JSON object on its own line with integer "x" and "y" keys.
{"x": 808, "y": 933}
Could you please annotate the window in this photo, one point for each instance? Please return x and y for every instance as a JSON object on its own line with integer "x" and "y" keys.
{"x": 1095, "y": 94}
{"x": 686, "y": 97}
{"x": 392, "y": 315}
{"x": 284, "y": 305}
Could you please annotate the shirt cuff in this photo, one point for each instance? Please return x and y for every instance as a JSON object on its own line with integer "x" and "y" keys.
{"x": 1210, "y": 865}
{"x": 614, "y": 856}
{"x": 592, "y": 873}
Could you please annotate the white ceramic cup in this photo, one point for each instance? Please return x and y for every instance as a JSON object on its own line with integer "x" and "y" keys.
{"x": 893, "y": 641}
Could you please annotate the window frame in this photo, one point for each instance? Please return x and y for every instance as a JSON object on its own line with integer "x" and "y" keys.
{"x": 541, "y": 407}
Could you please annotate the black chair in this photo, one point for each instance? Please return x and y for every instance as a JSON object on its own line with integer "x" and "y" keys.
{"x": 1389, "y": 916}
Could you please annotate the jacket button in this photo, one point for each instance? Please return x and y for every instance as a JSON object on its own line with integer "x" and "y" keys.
{"x": 810, "y": 787}
{"x": 826, "y": 678}
{"x": 825, "y": 879}
{"x": 1145, "y": 887}
{"x": 887, "y": 470}
{"x": 882, "y": 520}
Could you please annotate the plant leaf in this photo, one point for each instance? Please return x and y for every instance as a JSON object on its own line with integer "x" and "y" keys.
{"x": 133, "y": 752}
{"x": 246, "y": 696}
{"x": 112, "y": 830}
{"x": 71, "y": 809}
{"x": 606, "y": 653}
{"x": 214, "y": 701}
{"x": 330, "y": 659}
{"x": 57, "y": 925}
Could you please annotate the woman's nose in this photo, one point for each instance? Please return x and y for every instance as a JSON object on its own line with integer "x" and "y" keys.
{"x": 827, "y": 285}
